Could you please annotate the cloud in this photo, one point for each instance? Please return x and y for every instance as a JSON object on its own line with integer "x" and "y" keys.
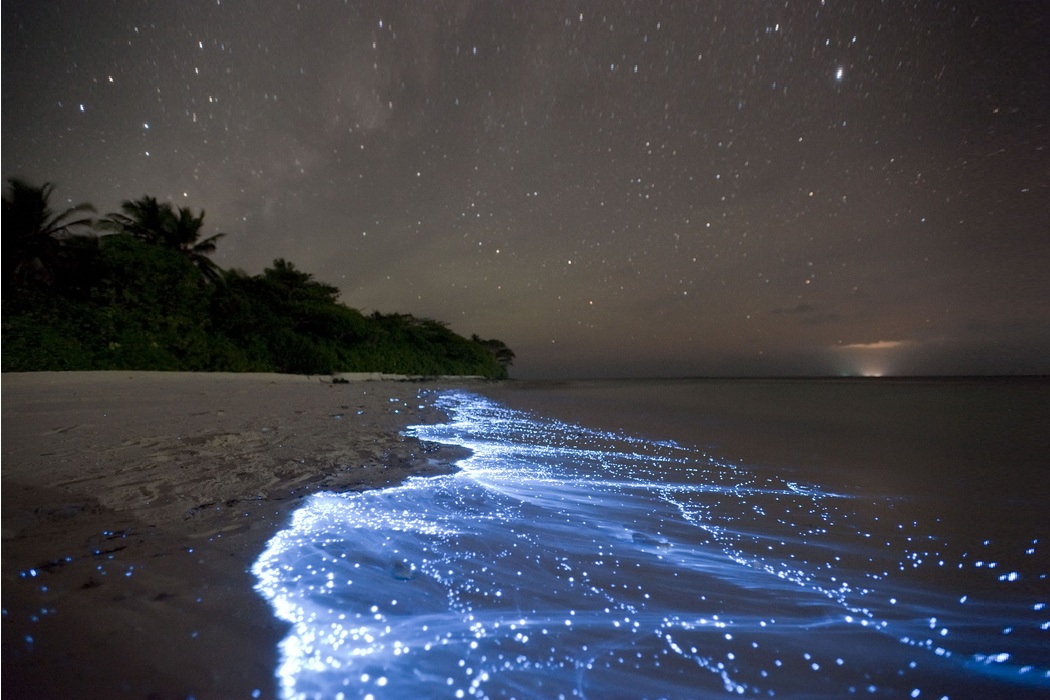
{"x": 807, "y": 314}
{"x": 799, "y": 309}
{"x": 878, "y": 345}
{"x": 820, "y": 319}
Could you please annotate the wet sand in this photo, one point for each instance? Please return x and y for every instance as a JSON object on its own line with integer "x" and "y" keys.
{"x": 134, "y": 504}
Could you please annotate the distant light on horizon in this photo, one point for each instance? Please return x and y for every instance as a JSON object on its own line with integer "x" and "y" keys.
{"x": 877, "y": 359}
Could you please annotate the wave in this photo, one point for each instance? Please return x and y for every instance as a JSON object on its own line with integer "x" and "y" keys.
{"x": 566, "y": 562}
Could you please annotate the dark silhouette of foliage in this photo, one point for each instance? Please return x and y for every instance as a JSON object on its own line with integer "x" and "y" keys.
{"x": 33, "y": 232}
{"x": 133, "y": 299}
{"x": 164, "y": 225}
{"x": 297, "y": 285}
{"x": 504, "y": 355}
{"x": 143, "y": 218}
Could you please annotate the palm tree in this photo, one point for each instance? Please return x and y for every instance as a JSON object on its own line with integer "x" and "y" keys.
{"x": 161, "y": 224}
{"x": 185, "y": 236}
{"x": 143, "y": 218}
{"x": 32, "y": 231}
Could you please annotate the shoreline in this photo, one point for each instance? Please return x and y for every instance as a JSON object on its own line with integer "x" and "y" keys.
{"x": 134, "y": 504}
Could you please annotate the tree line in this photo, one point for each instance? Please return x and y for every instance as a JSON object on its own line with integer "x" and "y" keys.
{"x": 137, "y": 289}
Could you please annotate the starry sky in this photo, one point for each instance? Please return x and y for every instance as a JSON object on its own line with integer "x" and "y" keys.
{"x": 716, "y": 187}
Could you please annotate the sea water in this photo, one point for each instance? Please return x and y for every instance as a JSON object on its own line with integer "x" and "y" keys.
{"x": 566, "y": 561}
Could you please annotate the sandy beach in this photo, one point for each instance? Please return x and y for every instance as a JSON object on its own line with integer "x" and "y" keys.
{"x": 134, "y": 504}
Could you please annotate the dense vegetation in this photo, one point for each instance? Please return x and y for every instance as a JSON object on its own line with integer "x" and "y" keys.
{"x": 137, "y": 290}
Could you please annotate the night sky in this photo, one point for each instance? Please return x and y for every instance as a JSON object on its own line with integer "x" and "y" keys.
{"x": 612, "y": 189}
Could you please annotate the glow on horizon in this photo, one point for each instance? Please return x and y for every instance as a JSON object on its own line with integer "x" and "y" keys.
{"x": 866, "y": 365}
{"x": 875, "y": 359}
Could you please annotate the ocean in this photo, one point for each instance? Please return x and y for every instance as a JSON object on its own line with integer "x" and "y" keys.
{"x": 687, "y": 539}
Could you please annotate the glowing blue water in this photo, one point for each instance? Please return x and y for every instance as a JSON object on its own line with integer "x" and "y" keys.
{"x": 564, "y": 562}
